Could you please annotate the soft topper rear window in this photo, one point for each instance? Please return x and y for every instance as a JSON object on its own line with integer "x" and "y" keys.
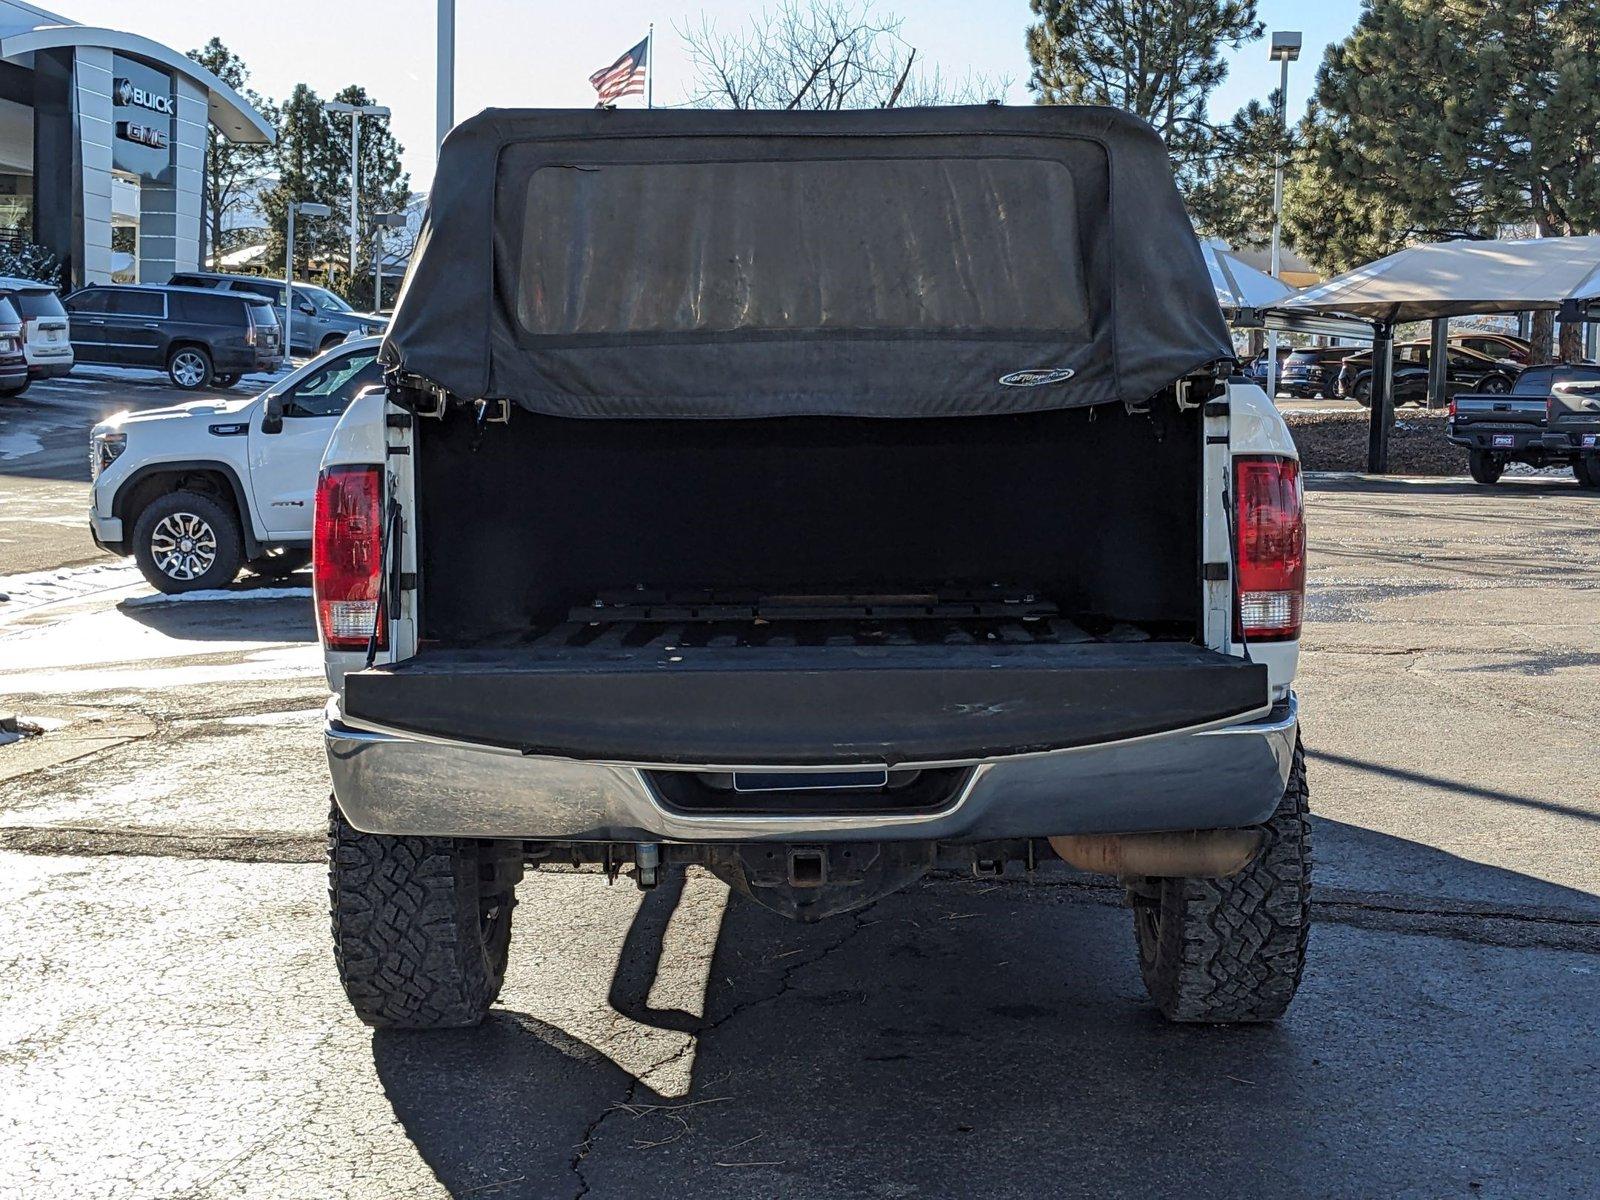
{"x": 881, "y": 245}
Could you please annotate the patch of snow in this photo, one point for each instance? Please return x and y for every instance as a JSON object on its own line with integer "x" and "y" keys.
{"x": 208, "y": 594}
{"x": 19, "y": 444}
{"x": 65, "y": 583}
{"x": 304, "y": 716}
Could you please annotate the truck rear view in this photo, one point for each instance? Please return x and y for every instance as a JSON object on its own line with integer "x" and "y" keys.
{"x": 816, "y": 499}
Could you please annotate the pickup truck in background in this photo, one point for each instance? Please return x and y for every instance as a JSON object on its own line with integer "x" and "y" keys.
{"x": 1572, "y": 424}
{"x": 712, "y": 517}
{"x": 1500, "y": 428}
{"x": 195, "y": 491}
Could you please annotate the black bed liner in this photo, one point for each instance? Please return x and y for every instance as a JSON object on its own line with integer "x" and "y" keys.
{"x": 807, "y": 690}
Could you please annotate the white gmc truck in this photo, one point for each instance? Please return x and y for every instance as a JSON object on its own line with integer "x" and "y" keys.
{"x": 195, "y": 491}
{"x": 819, "y": 499}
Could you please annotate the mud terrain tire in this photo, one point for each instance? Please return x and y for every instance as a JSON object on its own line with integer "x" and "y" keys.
{"x": 1232, "y": 950}
{"x": 421, "y": 926}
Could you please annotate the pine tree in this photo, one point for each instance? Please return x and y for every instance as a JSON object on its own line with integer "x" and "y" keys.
{"x": 312, "y": 167}
{"x": 1438, "y": 118}
{"x": 313, "y": 161}
{"x": 233, "y": 170}
{"x": 1158, "y": 59}
{"x": 1231, "y": 194}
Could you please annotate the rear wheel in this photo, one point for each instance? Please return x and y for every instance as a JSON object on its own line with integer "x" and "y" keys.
{"x": 329, "y": 342}
{"x": 186, "y": 541}
{"x": 1233, "y": 950}
{"x": 421, "y": 926}
{"x": 1485, "y": 467}
{"x": 1587, "y": 470}
{"x": 1361, "y": 393}
{"x": 227, "y": 379}
{"x": 1495, "y": 385}
{"x": 189, "y": 367}
{"x": 16, "y": 389}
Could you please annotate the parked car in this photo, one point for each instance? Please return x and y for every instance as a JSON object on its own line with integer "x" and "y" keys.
{"x": 1541, "y": 422}
{"x": 13, "y": 360}
{"x": 47, "y": 335}
{"x": 645, "y": 558}
{"x": 196, "y": 336}
{"x": 1465, "y": 371}
{"x": 1256, "y": 368}
{"x": 1312, "y": 371}
{"x": 195, "y": 491}
{"x": 322, "y": 319}
{"x": 1572, "y": 422}
{"x": 1496, "y": 345}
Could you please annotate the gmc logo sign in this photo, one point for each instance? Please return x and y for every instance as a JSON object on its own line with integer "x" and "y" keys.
{"x": 130, "y": 96}
{"x": 145, "y": 135}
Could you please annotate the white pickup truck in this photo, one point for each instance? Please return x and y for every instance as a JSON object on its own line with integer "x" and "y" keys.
{"x": 816, "y": 499}
{"x": 196, "y": 491}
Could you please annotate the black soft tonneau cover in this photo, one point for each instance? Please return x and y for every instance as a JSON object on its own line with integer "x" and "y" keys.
{"x": 886, "y": 263}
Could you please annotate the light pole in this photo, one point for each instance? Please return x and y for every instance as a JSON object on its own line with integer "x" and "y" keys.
{"x": 445, "y": 72}
{"x": 380, "y": 222}
{"x": 1285, "y": 49}
{"x": 356, "y": 111}
{"x": 306, "y": 209}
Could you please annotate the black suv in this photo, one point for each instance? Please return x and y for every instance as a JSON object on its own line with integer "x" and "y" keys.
{"x": 197, "y": 336}
{"x": 1312, "y": 372}
{"x": 1465, "y": 371}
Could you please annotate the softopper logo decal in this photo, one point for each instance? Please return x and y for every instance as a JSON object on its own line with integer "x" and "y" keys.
{"x": 130, "y": 96}
{"x": 1041, "y": 377}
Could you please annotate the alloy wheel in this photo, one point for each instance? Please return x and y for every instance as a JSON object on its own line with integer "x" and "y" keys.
{"x": 189, "y": 369}
{"x": 183, "y": 546}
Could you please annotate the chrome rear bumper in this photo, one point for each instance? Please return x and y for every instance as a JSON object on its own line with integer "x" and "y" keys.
{"x": 1213, "y": 779}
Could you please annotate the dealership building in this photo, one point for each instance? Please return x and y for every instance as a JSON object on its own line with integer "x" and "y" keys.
{"x": 102, "y": 145}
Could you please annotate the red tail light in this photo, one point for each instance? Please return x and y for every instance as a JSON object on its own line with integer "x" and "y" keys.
{"x": 347, "y": 556}
{"x": 1270, "y": 523}
{"x": 1451, "y": 408}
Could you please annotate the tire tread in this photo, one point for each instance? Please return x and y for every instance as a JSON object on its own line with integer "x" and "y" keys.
{"x": 405, "y": 929}
{"x": 1234, "y": 949}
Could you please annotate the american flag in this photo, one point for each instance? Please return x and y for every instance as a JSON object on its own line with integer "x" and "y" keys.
{"x": 625, "y": 77}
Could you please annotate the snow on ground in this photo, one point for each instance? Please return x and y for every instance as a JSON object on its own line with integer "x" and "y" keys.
{"x": 19, "y": 443}
{"x": 206, "y": 594}
{"x": 64, "y": 583}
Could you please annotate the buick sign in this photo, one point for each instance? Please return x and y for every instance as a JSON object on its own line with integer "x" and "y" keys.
{"x": 130, "y": 95}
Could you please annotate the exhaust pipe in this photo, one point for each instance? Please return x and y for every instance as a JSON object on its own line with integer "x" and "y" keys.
{"x": 1192, "y": 854}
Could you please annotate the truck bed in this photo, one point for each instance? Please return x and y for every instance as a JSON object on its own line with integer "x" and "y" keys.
{"x": 807, "y": 681}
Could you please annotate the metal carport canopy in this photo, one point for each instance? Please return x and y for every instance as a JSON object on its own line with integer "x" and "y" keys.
{"x": 1458, "y": 279}
{"x": 1448, "y": 279}
{"x": 1239, "y": 286}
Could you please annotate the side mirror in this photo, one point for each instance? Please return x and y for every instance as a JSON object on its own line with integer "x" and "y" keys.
{"x": 272, "y": 415}
{"x": 305, "y": 307}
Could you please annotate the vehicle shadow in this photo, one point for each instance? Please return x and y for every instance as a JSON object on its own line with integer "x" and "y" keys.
{"x": 253, "y": 611}
{"x": 973, "y": 1038}
{"x": 1444, "y": 485}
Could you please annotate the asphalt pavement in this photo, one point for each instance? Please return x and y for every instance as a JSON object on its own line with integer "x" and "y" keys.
{"x": 171, "y": 1023}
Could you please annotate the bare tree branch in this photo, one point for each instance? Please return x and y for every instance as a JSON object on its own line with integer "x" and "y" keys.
{"x": 819, "y": 55}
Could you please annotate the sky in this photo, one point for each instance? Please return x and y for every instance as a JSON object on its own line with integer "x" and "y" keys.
{"x": 540, "y": 53}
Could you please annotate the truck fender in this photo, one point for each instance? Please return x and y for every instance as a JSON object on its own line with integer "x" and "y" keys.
{"x": 252, "y": 545}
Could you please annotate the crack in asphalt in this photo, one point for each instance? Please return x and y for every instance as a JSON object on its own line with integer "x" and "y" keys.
{"x": 784, "y": 985}
{"x": 1512, "y": 925}
{"x": 91, "y": 842}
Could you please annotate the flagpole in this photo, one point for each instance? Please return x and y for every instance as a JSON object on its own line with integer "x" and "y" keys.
{"x": 650, "y": 67}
